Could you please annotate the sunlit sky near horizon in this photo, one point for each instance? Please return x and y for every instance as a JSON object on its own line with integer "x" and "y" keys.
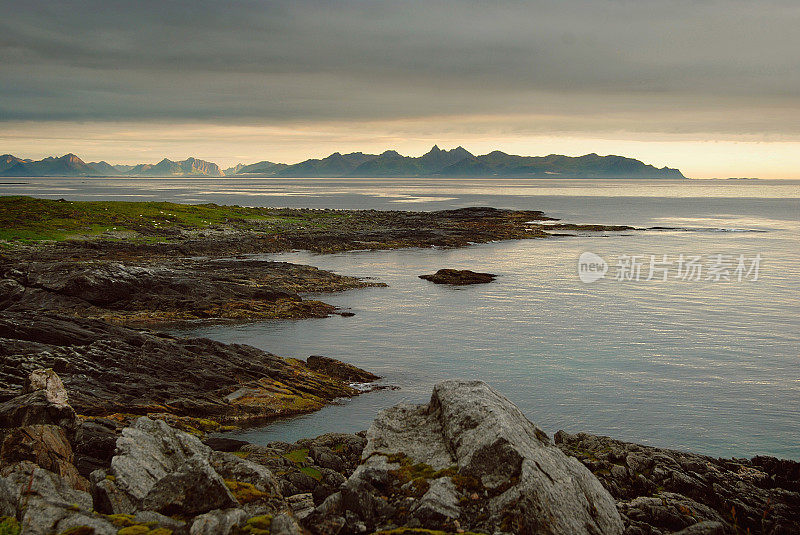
{"x": 710, "y": 87}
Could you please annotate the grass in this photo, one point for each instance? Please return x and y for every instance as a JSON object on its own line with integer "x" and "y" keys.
{"x": 27, "y": 219}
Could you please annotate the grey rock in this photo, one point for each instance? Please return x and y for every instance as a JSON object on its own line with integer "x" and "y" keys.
{"x": 231, "y": 467}
{"x": 160, "y": 468}
{"x": 440, "y": 503}
{"x": 530, "y": 484}
{"x": 284, "y": 524}
{"x": 42, "y": 499}
{"x": 218, "y": 522}
{"x": 302, "y": 505}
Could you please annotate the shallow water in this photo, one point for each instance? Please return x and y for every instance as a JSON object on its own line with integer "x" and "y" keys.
{"x": 713, "y": 367}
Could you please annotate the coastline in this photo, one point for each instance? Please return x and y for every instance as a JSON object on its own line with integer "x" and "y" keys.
{"x": 68, "y": 307}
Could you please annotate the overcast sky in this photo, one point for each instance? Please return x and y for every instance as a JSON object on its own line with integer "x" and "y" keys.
{"x": 712, "y": 87}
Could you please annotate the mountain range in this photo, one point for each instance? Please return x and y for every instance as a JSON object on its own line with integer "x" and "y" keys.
{"x": 454, "y": 163}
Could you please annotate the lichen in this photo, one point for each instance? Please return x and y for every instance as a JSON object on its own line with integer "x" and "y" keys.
{"x": 244, "y": 492}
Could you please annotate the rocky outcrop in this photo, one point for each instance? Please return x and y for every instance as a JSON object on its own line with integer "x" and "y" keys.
{"x": 139, "y": 293}
{"x": 110, "y": 369}
{"x": 662, "y": 491}
{"x": 458, "y": 277}
{"x": 467, "y": 460}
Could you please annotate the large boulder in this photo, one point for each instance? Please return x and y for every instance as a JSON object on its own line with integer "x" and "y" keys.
{"x": 159, "y": 468}
{"x": 162, "y": 469}
{"x": 469, "y": 459}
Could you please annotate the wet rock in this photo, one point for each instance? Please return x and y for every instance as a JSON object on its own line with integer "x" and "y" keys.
{"x": 340, "y": 370}
{"x": 458, "y": 277}
{"x": 95, "y": 442}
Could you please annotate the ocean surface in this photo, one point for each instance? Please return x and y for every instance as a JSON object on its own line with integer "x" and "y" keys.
{"x": 709, "y": 365}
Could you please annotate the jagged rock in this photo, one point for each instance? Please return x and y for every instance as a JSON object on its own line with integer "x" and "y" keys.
{"x": 660, "y": 491}
{"x": 111, "y": 369}
{"x": 160, "y": 468}
{"x": 284, "y": 524}
{"x": 458, "y": 277}
{"x": 42, "y": 500}
{"x": 46, "y": 446}
{"x": 483, "y": 445}
{"x": 50, "y": 382}
{"x": 43, "y": 401}
{"x": 301, "y": 505}
{"x": 439, "y": 504}
{"x": 218, "y": 522}
{"x": 253, "y": 485}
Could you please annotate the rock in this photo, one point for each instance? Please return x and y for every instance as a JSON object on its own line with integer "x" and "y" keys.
{"x": 46, "y": 446}
{"x": 439, "y": 504}
{"x": 218, "y": 522}
{"x": 50, "y": 382}
{"x": 301, "y": 505}
{"x": 458, "y": 277}
{"x": 193, "y": 488}
{"x": 252, "y": 485}
{"x": 471, "y": 440}
{"x": 43, "y": 401}
{"x": 340, "y": 370}
{"x": 111, "y": 369}
{"x": 163, "y": 469}
{"x": 703, "y": 528}
{"x": 43, "y": 500}
{"x": 662, "y": 491}
{"x": 284, "y": 524}
{"x": 95, "y": 442}
{"x": 225, "y": 444}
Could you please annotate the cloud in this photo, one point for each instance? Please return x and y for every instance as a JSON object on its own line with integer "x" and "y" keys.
{"x": 712, "y": 65}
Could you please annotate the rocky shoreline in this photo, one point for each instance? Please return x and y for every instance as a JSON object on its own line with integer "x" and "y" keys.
{"x": 467, "y": 462}
{"x": 105, "y": 427}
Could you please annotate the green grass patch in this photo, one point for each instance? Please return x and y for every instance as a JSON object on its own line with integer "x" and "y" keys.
{"x": 297, "y": 456}
{"x": 312, "y": 472}
{"x": 28, "y": 219}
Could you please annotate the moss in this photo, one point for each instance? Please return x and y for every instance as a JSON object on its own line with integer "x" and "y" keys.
{"x": 418, "y": 531}
{"x": 419, "y": 474}
{"x": 297, "y": 456}
{"x": 312, "y": 472}
{"x": 244, "y": 492}
{"x": 9, "y": 526}
{"x": 121, "y": 520}
{"x": 242, "y": 454}
{"x": 111, "y": 478}
{"x": 258, "y": 525}
{"x": 160, "y": 531}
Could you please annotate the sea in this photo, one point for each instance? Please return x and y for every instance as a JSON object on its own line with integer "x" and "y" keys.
{"x": 685, "y": 335}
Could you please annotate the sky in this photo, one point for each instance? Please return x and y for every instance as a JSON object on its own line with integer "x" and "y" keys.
{"x": 709, "y": 86}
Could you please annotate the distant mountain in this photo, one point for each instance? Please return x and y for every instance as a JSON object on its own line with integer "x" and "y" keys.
{"x": 104, "y": 168}
{"x": 169, "y": 168}
{"x": 261, "y": 168}
{"x": 454, "y": 163}
{"x": 335, "y": 165}
{"x": 67, "y": 165}
{"x": 232, "y": 170}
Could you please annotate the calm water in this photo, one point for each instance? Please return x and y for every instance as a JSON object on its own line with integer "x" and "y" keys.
{"x": 713, "y": 367}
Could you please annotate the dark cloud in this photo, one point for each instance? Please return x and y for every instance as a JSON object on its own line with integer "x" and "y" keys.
{"x": 300, "y": 61}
